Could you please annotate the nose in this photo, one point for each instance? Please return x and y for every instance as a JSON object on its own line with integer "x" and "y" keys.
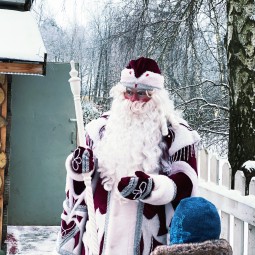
{"x": 134, "y": 97}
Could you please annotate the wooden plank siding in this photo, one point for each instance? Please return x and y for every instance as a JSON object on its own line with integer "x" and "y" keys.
{"x": 22, "y": 68}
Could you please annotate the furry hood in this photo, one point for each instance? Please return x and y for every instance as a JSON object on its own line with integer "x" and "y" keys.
{"x": 210, "y": 247}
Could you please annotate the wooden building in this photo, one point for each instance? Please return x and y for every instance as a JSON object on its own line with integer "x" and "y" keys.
{"x": 22, "y": 52}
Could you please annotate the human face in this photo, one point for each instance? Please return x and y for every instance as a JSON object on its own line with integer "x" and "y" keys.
{"x": 137, "y": 95}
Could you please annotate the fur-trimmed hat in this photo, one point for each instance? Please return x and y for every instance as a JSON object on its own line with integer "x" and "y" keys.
{"x": 142, "y": 73}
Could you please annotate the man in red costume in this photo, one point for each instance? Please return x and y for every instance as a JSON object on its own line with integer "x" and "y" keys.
{"x": 144, "y": 155}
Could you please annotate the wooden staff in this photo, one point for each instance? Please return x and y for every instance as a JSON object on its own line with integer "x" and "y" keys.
{"x": 75, "y": 84}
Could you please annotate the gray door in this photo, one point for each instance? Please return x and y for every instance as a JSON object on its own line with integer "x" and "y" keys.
{"x": 42, "y": 136}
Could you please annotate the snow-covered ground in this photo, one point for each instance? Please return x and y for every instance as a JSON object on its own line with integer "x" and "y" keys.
{"x": 31, "y": 240}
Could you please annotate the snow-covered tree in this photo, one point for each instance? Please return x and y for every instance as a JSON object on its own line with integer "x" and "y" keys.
{"x": 241, "y": 64}
{"x": 185, "y": 37}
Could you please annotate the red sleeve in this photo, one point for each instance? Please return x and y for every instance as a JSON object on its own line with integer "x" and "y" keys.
{"x": 182, "y": 181}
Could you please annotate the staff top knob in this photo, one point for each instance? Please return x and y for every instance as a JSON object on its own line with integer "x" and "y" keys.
{"x": 73, "y": 72}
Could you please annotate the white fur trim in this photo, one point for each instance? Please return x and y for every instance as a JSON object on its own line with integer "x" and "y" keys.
{"x": 70, "y": 172}
{"x": 128, "y": 76}
{"x": 94, "y": 127}
{"x": 125, "y": 215}
{"x": 164, "y": 191}
{"x": 150, "y": 79}
{"x": 169, "y": 212}
{"x": 184, "y": 167}
{"x": 153, "y": 225}
{"x": 183, "y": 138}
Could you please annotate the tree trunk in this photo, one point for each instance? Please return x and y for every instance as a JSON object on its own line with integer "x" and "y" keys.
{"x": 241, "y": 59}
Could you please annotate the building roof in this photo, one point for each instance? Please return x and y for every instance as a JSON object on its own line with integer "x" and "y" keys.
{"x": 21, "y": 41}
{"x": 19, "y": 5}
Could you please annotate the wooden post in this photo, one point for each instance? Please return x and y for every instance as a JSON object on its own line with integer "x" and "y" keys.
{"x": 239, "y": 224}
{"x": 203, "y": 165}
{"x": 251, "y": 231}
{"x": 214, "y": 170}
{"x": 252, "y": 186}
{"x": 3, "y": 110}
{"x": 226, "y": 175}
{"x": 225, "y": 217}
{"x": 251, "y": 239}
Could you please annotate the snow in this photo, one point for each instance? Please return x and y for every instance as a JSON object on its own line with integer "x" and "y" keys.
{"x": 20, "y": 37}
{"x": 249, "y": 165}
{"x": 32, "y": 240}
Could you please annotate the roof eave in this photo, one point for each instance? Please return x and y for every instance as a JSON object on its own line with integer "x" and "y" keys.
{"x": 17, "y": 6}
{"x": 22, "y": 67}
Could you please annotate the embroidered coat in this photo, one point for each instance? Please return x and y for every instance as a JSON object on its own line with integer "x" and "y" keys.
{"x": 134, "y": 227}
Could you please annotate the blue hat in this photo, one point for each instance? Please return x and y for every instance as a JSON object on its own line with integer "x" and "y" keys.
{"x": 195, "y": 220}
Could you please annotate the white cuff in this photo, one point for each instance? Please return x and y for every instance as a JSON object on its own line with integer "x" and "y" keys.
{"x": 70, "y": 172}
{"x": 164, "y": 191}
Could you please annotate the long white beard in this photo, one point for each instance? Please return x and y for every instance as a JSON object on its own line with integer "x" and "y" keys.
{"x": 130, "y": 142}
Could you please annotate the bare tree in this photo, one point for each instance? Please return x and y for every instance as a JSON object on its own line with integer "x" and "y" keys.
{"x": 185, "y": 37}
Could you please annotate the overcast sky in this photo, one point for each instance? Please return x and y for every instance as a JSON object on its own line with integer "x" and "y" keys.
{"x": 68, "y": 11}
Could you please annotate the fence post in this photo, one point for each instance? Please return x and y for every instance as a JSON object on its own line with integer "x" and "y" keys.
{"x": 214, "y": 170}
{"x": 239, "y": 224}
{"x": 225, "y": 217}
{"x": 252, "y": 186}
{"x": 203, "y": 165}
{"x": 251, "y": 240}
{"x": 251, "y": 232}
{"x": 226, "y": 175}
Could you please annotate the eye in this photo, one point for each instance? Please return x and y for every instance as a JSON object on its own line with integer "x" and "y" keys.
{"x": 141, "y": 93}
{"x": 129, "y": 92}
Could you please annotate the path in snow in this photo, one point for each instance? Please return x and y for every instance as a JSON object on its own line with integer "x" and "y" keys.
{"x": 31, "y": 240}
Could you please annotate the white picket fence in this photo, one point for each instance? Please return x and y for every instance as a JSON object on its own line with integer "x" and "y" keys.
{"x": 236, "y": 210}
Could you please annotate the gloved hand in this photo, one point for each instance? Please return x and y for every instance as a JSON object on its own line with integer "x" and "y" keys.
{"x": 82, "y": 160}
{"x": 136, "y": 187}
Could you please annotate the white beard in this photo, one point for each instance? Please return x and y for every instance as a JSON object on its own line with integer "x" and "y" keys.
{"x": 130, "y": 142}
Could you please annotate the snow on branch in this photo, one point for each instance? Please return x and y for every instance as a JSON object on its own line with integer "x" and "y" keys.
{"x": 204, "y": 105}
{"x": 199, "y": 84}
{"x": 249, "y": 166}
{"x": 213, "y": 131}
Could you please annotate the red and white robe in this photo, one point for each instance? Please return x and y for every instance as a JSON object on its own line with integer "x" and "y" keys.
{"x": 133, "y": 227}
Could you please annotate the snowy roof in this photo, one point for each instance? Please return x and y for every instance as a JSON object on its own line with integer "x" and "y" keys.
{"x": 20, "y": 37}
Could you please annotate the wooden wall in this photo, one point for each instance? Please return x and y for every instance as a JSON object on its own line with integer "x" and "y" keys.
{"x": 4, "y": 177}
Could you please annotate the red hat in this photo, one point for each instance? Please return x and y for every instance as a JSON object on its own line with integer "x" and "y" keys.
{"x": 142, "y": 73}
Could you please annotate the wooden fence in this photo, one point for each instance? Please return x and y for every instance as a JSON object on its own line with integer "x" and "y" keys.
{"x": 237, "y": 211}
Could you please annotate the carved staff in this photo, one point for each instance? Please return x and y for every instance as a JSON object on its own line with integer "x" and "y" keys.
{"x": 75, "y": 84}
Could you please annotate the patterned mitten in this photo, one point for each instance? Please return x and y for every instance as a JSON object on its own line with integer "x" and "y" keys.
{"x": 82, "y": 160}
{"x": 136, "y": 187}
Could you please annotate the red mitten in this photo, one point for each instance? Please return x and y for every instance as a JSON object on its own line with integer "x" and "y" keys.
{"x": 136, "y": 187}
{"x": 82, "y": 160}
